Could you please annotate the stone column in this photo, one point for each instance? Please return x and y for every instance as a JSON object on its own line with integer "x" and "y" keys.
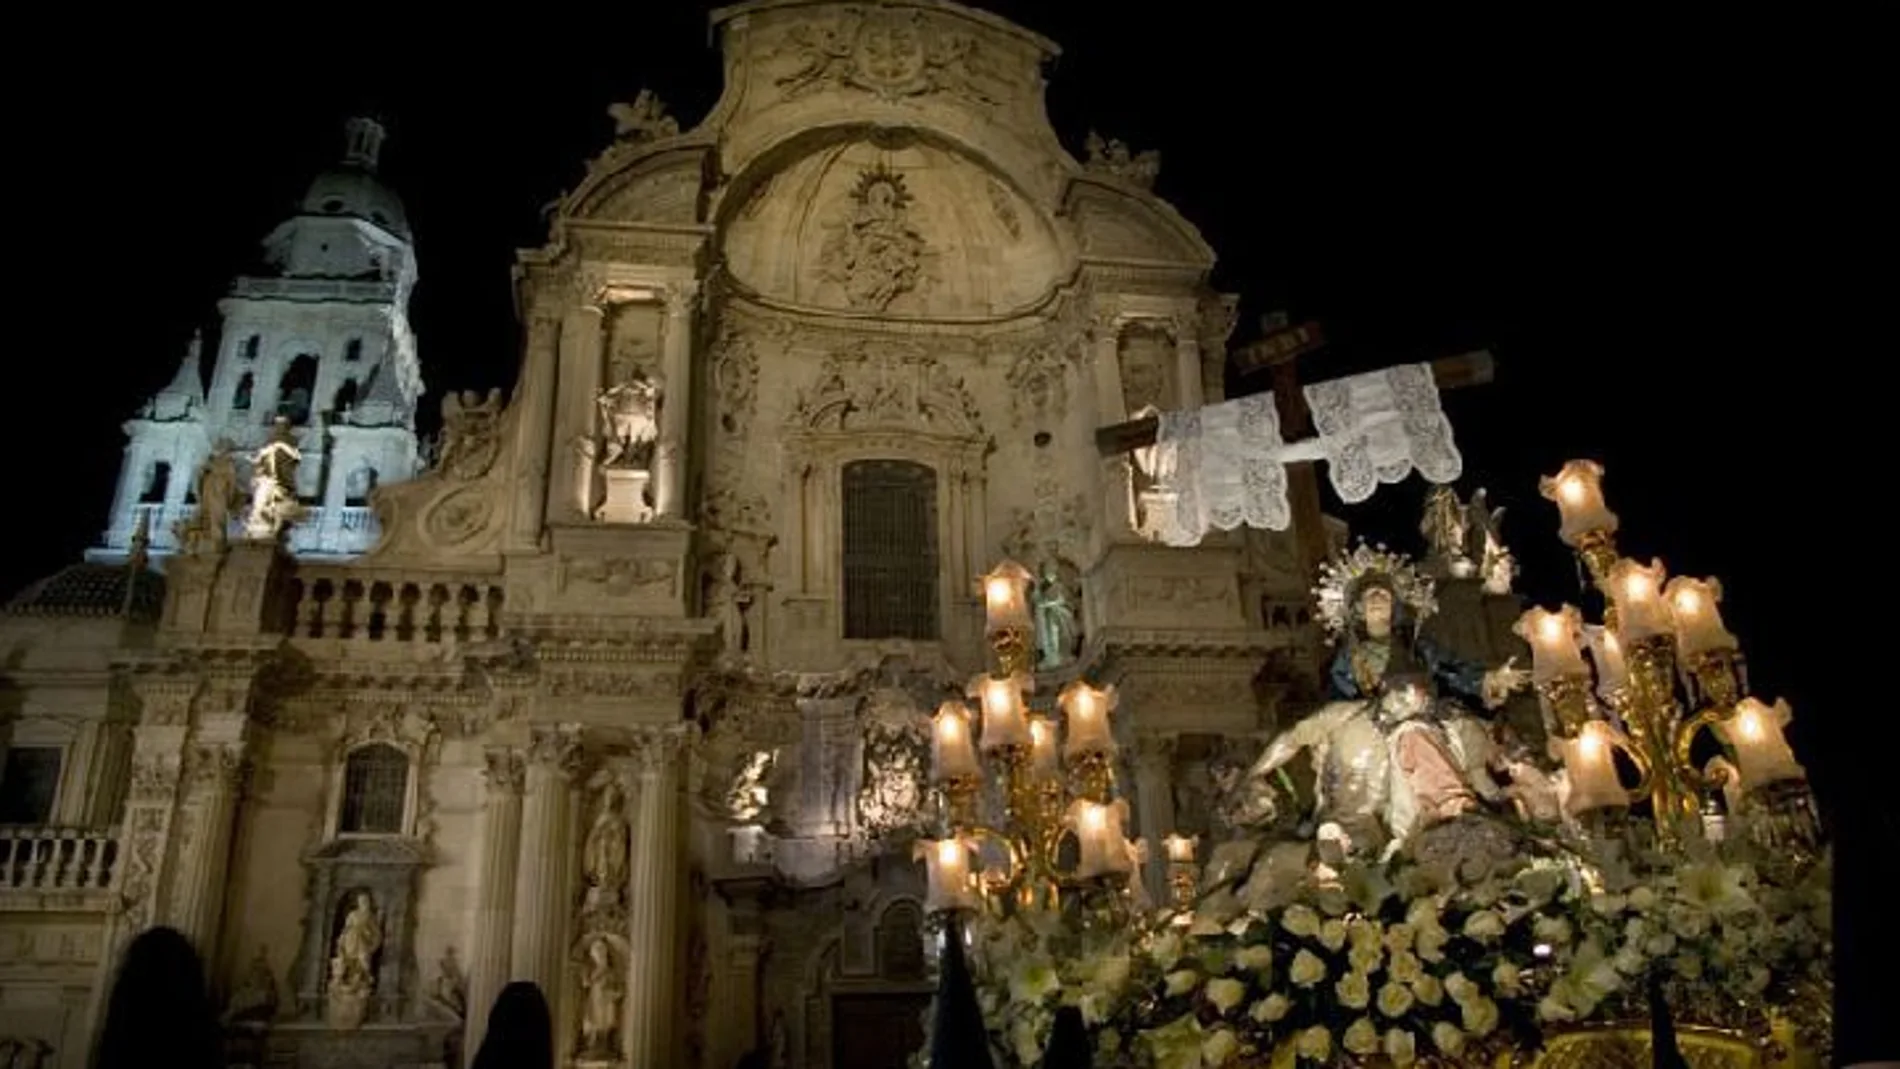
{"x": 736, "y": 976}
{"x": 669, "y": 493}
{"x": 576, "y": 420}
{"x": 1154, "y": 805}
{"x": 653, "y": 899}
{"x": 538, "y": 950}
{"x": 213, "y": 773}
{"x": 534, "y": 430}
{"x": 495, "y": 895}
{"x": 1187, "y": 363}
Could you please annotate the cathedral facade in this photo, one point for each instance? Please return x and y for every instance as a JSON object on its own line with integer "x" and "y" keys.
{"x": 626, "y": 692}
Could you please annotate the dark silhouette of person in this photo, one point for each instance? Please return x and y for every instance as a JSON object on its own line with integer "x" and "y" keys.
{"x": 160, "y": 1012}
{"x": 520, "y": 1031}
{"x": 1068, "y": 1042}
{"x": 958, "y": 1039}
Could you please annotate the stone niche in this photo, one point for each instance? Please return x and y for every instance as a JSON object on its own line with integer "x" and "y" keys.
{"x": 385, "y": 868}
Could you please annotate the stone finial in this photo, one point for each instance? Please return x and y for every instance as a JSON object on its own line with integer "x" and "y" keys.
{"x": 363, "y": 142}
{"x": 644, "y": 119}
{"x": 1111, "y": 157}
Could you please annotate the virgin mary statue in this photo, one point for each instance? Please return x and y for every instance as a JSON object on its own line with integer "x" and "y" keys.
{"x": 1385, "y": 766}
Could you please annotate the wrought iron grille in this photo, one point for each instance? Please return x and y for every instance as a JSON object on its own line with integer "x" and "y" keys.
{"x": 375, "y": 791}
{"x": 890, "y": 550}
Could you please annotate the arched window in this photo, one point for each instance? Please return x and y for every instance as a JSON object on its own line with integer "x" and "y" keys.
{"x": 156, "y": 483}
{"x": 241, "y": 400}
{"x": 250, "y": 347}
{"x": 293, "y": 390}
{"x": 354, "y": 350}
{"x": 900, "y": 942}
{"x": 890, "y": 550}
{"x": 375, "y": 791}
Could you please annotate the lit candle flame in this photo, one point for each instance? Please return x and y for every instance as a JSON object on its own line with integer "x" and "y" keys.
{"x": 948, "y": 851}
{"x": 1573, "y": 490}
{"x": 1750, "y": 725}
{"x": 1094, "y": 819}
{"x": 1591, "y": 743}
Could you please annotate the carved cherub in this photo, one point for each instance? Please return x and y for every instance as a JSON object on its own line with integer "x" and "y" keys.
{"x": 645, "y": 119}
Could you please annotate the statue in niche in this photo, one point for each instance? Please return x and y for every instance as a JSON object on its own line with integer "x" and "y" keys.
{"x": 274, "y": 503}
{"x": 217, "y": 492}
{"x": 877, "y": 253}
{"x": 449, "y": 993}
{"x": 891, "y": 796}
{"x": 604, "y": 854}
{"x": 255, "y": 997}
{"x": 471, "y": 434}
{"x": 352, "y": 965}
{"x": 728, "y": 597}
{"x": 604, "y": 985}
{"x": 1056, "y": 632}
{"x": 629, "y": 421}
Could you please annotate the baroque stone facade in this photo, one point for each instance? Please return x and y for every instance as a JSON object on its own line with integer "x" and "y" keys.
{"x": 628, "y": 699}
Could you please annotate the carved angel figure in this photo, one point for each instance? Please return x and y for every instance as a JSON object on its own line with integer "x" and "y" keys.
{"x": 604, "y": 985}
{"x": 274, "y": 484}
{"x": 356, "y": 947}
{"x": 217, "y": 490}
{"x": 645, "y": 119}
{"x": 1111, "y": 156}
{"x": 604, "y": 855}
{"x": 629, "y": 421}
{"x": 471, "y": 427}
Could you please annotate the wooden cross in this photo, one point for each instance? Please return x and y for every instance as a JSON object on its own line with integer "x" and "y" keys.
{"x": 1276, "y": 353}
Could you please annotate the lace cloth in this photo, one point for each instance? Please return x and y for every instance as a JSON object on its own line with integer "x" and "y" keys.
{"x": 1224, "y": 465}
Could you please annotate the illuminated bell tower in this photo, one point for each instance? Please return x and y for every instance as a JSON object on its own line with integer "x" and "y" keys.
{"x": 319, "y": 335}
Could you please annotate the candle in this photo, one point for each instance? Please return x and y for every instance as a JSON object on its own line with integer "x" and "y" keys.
{"x": 947, "y": 877}
{"x": 951, "y": 754}
{"x": 1698, "y": 622}
{"x": 1086, "y": 710}
{"x": 1006, "y": 597}
{"x": 1553, "y": 636}
{"x": 1180, "y": 848}
{"x": 1098, "y": 833}
{"x": 1641, "y": 611}
{"x": 1606, "y": 651}
{"x": 1001, "y": 699}
{"x": 1044, "y": 760}
{"x": 1577, "y": 489}
{"x": 1762, "y": 754}
{"x": 1590, "y": 765}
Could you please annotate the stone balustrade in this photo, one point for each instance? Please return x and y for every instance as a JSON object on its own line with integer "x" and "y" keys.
{"x": 368, "y": 605}
{"x": 57, "y": 859}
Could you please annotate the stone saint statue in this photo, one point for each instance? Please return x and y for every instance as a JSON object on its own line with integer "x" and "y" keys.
{"x": 729, "y": 598}
{"x": 356, "y": 947}
{"x": 1385, "y": 765}
{"x": 449, "y": 993}
{"x": 604, "y": 855}
{"x": 217, "y": 491}
{"x": 274, "y": 484}
{"x": 604, "y": 984}
{"x": 629, "y": 421}
{"x": 1055, "y": 621}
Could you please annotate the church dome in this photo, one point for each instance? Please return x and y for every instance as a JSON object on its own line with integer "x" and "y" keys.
{"x": 352, "y": 190}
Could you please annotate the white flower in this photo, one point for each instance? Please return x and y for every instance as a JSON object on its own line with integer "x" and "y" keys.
{"x": 1399, "y": 937}
{"x": 1023, "y": 1040}
{"x": 1332, "y": 934}
{"x": 1447, "y": 1037}
{"x": 1629, "y": 959}
{"x": 1480, "y": 1016}
{"x": 1365, "y": 957}
{"x": 1395, "y": 999}
{"x": 1165, "y": 950}
{"x": 1111, "y": 972}
{"x": 1460, "y": 987}
{"x": 1401, "y": 1047}
{"x": 1218, "y": 1048}
{"x": 1484, "y": 926}
{"x": 1353, "y": 989}
{"x": 1182, "y": 981}
{"x": 1031, "y": 980}
{"x": 1271, "y": 1008}
{"x": 1552, "y": 1008}
{"x": 1307, "y": 969}
{"x": 1314, "y": 1044}
{"x": 1224, "y": 993}
{"x": 1715, "y": 887}
{"x": 1505, "y": 978}
{"x": 1423, "y": 912}
{"x": 1428, "y": 989}
{"x": 1552, "y": 930}
{"x": 1608, "y": 905}
{"x": 1431, "y": 943}
{"x": 1688, "y": 922}
{"x": 1360, "y": 1037}
{"x": 1257, "y": 958}
{"x": 1643, "y": 899}
{"x": 1300, "y": 919}
{"x": 1405, "y": 967}
{"x": 1689, "y": 964}
{"x": 1660, "y": 946}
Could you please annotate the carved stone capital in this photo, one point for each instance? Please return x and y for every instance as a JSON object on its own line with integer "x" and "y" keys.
{"x": 557, "y": 746}
{"x": 661, "y": 749}
{"x": 1154, "y": 750}
{"x": 504, "y": 770}
{"x": 680, "y": 298}
{"x": 154, "y": 776}
{"x": 219, "y": 766}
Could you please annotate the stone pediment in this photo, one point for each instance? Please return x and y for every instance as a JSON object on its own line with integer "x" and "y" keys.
{"x": 372, "y": 851}
{"x": 642, "y": 183}
{"x": 1115, "y": 223}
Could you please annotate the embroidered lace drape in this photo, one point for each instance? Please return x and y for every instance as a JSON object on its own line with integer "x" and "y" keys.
{"x": 1224, "y": 465}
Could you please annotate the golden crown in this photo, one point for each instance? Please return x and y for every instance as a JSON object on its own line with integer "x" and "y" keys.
{"x": 1341, "y": 579}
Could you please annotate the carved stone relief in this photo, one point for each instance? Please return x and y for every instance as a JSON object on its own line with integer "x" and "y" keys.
{"x": 457, "y": 517}
{"x": 1111, "y": 157}
{"x": 875, "y": 252}
{"x": 1039, "y": 383}
{"x": 887, "y": 384}
{"x": 891, "y": 795}
{"x": 1146, "y": 356}
{"x": 735, "y": 378}
{"x": 471, "y": 434}
{"x": 891, "y": 54}
{"x": 646, "y": 578}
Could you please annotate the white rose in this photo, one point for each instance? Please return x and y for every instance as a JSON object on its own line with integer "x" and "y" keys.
{"x": 1182, "y": 981}
{"x": 1658, "y": 946}
{"x": 1506, "y": 978}
{"x": 1552, "y": 930}
{"x": 1332, "y": 934}
{"x": 1422, "y": 913}
{"x": 1257, "y": 958}
{"x": 1218, "y": 1048}
{"x": 1353, "y": 989}
{"x": 1165, "y": 950}
{"x": 1395, "y": 999}
{"x": 1431, "y": 943}
{"x": 1629, "y": 960}
{"x": 1315, "y": 1043}
{"x": 1480, "y": 1016}
{"x": 1307, "y": 969}
{"x": 1360, "y": 1037}
{"x": 1405, "y": 967}
{"x": 1460, "y": 987}
{"x": 1642, "y": 898}
{"x": 1271, "y": 1009}
{"x": 1399, "y": 937}
{"x": 1224, "y": 993}
{"x": 1300, "y": 920}
{"x": 1365, "y": 957}
{"x": 1447, "y": 1037}
{"x": 1552, "y": 1008}
{"x": 1428, "y": 989}
{"x": 1484, "y": 926}
{"x": 1401, "y": 1047}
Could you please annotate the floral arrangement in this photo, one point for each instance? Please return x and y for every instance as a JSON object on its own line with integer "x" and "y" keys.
{"x": 1285, "y": 960}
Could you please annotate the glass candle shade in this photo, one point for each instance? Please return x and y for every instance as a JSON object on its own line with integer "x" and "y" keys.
{"x": 1693, "y": 605}
{"x": 1005, "y": 722}
{"x": 1606, "y": 652}
{"x": 1577, "y": 489}
{"x": 1641, "y": 610}
{"x": 952, "y": 749}
{"x": 1756, "y": 732}
{"x": 1006, "y": 597}
{"x": 1590, "y": 766}
{"x": 1085, "y": 711}
{"x": 1554, "y": 641}
{"x": 1102, "y": 845}
{"x": 949, "y": 881}
{"x": 1180, "y": 848}
{"x": 1045, "y": 759}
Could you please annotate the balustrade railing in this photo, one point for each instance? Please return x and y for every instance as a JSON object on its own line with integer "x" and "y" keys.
{"x": 57, "y": 859}
{"x": 364, "y": 604}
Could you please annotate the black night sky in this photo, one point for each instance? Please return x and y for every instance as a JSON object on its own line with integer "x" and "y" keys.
{"x": 1632, "y": 218}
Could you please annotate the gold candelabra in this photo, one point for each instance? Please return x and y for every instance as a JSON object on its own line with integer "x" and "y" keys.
{"x": 1055, "y": 782}
{"x": 1652, "y": 631}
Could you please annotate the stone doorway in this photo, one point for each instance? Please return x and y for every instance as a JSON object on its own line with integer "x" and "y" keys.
{"x": 877, "y": 1030}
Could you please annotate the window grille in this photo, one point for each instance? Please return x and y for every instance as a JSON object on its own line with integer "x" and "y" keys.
{"x": 900, "y": 943}
{"x": 375, "y": 791}
{"x": 28, "y": 781}
{"x": 890, "y": 550}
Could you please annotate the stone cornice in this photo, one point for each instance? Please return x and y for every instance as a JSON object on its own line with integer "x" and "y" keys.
{"x": 1115, "y": 643}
